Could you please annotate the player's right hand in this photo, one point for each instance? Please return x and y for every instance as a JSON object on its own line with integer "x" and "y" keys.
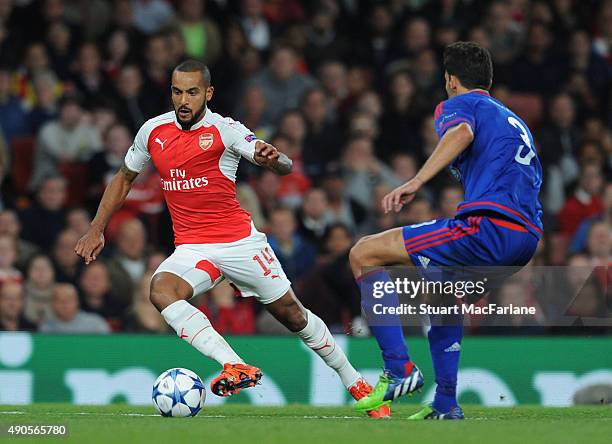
{"x": 400, "y": 196}
{"x": 90, "y": 245}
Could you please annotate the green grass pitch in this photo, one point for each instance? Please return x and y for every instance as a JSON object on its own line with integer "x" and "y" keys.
{"x": 293, "y": 424}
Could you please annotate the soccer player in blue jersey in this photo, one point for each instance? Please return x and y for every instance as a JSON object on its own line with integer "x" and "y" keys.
{"x": 490, "y": 150}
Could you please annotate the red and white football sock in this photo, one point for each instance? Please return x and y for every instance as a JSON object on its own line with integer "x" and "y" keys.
{"x": 318, "y": 338}
{"x": 194, "y": 327}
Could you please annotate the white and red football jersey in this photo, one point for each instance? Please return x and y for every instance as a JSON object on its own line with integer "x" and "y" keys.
{"x": 197, "y": 168}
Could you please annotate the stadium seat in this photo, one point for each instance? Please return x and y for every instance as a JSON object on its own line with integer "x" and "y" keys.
{"x": 22, "y": 151}
{"x": 528, "y": 106}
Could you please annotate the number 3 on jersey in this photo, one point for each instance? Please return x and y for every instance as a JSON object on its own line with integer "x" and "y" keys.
{"x": 526, "y": 159}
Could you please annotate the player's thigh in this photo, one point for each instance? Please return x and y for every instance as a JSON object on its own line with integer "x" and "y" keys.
{"x": 188, "y": 266}
{"x": 254, "y": 268}
{"x": 386, "y": 248}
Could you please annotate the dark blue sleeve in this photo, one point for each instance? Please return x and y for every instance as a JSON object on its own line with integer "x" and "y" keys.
{"x": 453, "y": 112}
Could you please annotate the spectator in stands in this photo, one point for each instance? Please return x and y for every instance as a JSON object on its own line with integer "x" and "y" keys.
{"x": 129, "y": 262}
{"x": 151, "y": 15}
{"x": 201, "y": 34}
{"x": 280, "y": 82}
{"x": 404, "y": 165}
{"x": 363, "y": 171}
{"x": 38, "y": 288}
{"x": 323, "y": 41}
{"x": 590, "y": 72}
{"x": 135, "y": 104}
{"x": 295, "y": 254}
{"x": 118, "y": 51}
{"x": 253, "y": 115}
{"x": 330, "y": 289}
{"x": 78, "y": 220}
{"x": 143, "y": 317}
{"x": 89, "y": 79}
{"x": 401, "y": 118}
{"x": 11, "y": 227}
{"x": 43, "y": 221}
{"x": 60, "y": 43}
{"x": 13, "y": 115}
{"x": 579, "y": 241}
{"x": 11, "y": 308}
{"x": 293, "y": 185}
{"x": 342, "y": 206}
{"x": 8, "y": 257}
{"x": 419, "y": 211}
{"x": 314, "y": 217}
{"x": 64, "y": 140}
{"x": 599, "y": 244}
{"x": 362, "y": 124}
{"x": 117, "y": 140}
{"x": 67, "y": 264}
{"x": 374, "y": 45}
{"x": 227, "y": 311}
{"x": 537, "y": 69}
{"x": 68, "y": 317}
{"x": 332, "y": 75}
{"x": 157, "y": 70}
{"x": 377, "y": 220}
{"x": 415, "y": 37}
{"x": 559, "y": 141}
{"x": 505, "y": 34}
{"x": 450, "y": 197}
{"x": 266, "y": 188}
{"x": 322, "y": 135}
{"x": 585, "y": 202}
{"x": 96, "y": 292}
{"x": 46, "y": 92}
{"x": 255, "y": 25}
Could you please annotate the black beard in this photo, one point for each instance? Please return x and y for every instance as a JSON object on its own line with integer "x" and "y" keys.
{"x": 196, "y": 116}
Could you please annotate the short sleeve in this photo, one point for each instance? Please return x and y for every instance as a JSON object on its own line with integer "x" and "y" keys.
{"x": 138, "y": 154}
{"x": 451, "y": 113}
{"x": 240, "y": 139}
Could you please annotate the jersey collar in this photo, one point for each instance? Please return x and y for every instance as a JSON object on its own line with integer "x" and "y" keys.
{"x": 205, "y": 121}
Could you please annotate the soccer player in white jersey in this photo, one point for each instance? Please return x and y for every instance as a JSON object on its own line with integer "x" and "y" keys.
{"x": 196, "y": 153}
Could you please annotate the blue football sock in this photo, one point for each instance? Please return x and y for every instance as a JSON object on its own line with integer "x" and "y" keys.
{"x": 445, "y": 346}
{"x": 389, "y": 336}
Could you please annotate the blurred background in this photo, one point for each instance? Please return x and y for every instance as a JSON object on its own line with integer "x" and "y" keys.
{"x": 346, "y": 88}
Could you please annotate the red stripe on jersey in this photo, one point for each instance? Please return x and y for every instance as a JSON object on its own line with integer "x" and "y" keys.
{"x": 502, "y": 207}
{"x": 458, "y": 233}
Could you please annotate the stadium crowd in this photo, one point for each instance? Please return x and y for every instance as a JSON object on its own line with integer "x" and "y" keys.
{"x": 346, "y": 88}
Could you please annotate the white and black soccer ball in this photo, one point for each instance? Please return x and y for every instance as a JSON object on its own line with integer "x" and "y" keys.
{"x": 178, "y": 392}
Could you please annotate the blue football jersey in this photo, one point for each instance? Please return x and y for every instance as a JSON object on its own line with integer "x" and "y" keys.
{"x": 500, "y": 170}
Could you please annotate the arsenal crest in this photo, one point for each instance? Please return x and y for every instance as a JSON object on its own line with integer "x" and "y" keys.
{"x": 206, "y": 141}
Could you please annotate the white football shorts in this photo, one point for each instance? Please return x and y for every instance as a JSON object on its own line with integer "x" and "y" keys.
{"x": 248, "y": 263}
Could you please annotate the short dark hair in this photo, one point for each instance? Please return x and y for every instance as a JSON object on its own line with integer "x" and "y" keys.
{"x": 470, "y": 63}
{"x": 191, "y": 65}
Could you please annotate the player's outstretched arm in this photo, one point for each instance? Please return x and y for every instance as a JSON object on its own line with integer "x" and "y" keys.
{"x": 456, "y": 139}
{"x": 92, "y": 243}
{"x": 269, "y": 157}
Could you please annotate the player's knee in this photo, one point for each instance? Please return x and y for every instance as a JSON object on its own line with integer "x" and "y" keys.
{"x": 163, "y": 293}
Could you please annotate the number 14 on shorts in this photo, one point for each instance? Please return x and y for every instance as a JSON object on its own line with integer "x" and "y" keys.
{"x": 268, "y": 259}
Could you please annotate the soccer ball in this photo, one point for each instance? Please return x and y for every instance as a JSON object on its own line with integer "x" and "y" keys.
{"x": 178, "y": 392}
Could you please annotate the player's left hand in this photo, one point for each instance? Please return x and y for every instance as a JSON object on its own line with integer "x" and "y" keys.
{"x": 265, "y": 154}
{"x": 400, "y": 196}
